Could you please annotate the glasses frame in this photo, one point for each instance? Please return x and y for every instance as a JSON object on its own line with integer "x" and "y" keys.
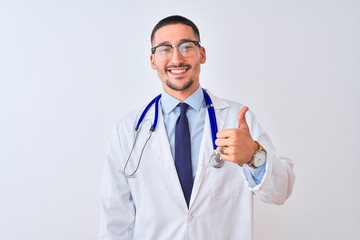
{"x": 197, "y": 43}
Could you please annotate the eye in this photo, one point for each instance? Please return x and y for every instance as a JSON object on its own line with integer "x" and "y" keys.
{"x": 163, "y": 50}
{"x": 187, "y": 46}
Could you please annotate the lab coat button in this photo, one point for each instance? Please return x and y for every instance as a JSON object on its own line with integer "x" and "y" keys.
{"x": 189, "y": 218}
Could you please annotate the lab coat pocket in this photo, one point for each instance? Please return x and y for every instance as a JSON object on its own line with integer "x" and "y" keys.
{"x": 226, "y": 182}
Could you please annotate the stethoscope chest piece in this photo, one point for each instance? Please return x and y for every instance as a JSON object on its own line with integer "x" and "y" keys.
{"x": 215, "y": 160}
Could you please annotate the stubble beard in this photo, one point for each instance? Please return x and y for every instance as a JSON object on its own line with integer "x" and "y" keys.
{"x": 181, "y": 88}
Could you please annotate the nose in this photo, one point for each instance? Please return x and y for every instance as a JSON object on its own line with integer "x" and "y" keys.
{"x": 176, "y": 57}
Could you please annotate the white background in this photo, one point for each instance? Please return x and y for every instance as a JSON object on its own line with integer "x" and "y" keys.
{"x": 69, "y": 69}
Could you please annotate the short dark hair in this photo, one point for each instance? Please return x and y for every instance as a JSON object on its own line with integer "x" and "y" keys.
{"x": 175, "y": 19}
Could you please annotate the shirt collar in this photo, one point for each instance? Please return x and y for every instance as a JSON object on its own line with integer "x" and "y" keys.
{"x": 195, "y": 101}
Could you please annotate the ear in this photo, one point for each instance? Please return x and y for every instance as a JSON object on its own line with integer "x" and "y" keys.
{"x": 202, "y": 55}
{"x": 152, "y": 60}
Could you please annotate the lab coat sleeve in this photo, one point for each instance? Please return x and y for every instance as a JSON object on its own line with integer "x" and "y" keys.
{"x": 117, "y": 212}
{"x": 278, "y": 180}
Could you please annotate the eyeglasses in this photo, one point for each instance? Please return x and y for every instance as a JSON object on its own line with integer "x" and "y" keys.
{"x": 165, "y": 52}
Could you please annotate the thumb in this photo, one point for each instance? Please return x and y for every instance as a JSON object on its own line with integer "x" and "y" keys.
{"x": 241, "y": 117}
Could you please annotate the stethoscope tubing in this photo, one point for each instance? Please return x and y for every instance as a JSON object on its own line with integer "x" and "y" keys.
{"x": 216, "y": 161}
{"x": 153, "y": 126}
{"x": 209, "y": 105}
{"x": 212, "y": 117}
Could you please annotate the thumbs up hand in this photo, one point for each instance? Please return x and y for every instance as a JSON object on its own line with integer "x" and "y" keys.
{"x": 236, "y": 145}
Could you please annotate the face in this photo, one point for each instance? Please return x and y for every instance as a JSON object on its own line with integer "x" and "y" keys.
{"x": 179, "y": 75}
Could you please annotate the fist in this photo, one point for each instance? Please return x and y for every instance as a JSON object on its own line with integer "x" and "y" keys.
{"x": 236, "y": 145}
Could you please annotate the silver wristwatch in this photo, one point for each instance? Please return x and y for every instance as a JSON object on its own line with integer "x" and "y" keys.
{"x": 258, "y": 158}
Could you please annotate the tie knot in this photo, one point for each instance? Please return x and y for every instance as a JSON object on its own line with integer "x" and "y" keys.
{"x": 183, "y": 107}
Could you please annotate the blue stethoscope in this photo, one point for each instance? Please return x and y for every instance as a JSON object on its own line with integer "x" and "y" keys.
{"x": 215, "y": 159}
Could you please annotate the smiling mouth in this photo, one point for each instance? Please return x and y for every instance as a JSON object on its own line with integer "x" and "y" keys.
{"x": 177, "y": 71}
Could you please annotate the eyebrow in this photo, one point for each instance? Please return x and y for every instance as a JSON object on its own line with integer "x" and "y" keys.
{"x": 181, "y": 40}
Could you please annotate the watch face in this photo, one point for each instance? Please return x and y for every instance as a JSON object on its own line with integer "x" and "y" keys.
{"x": 259, "y": 158}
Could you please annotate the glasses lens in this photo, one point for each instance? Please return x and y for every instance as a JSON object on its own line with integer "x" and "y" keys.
{"x": 187, "y": 49}
{"x": 163, "y": 53}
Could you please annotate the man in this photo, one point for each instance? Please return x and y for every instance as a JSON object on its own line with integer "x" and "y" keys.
{"x": 176, "y": 193}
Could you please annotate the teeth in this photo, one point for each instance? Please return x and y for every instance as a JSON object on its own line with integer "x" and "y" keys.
{"x": 177, "y": 70}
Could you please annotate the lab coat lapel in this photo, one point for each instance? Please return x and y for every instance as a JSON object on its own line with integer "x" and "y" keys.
{"x": 206, "y": 146}
{"x": 161, "y": 147}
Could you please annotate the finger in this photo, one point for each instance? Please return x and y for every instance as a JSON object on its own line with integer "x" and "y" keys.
{"x": 222, "y": 150}
{"x": 231, "y": 158}
{"x": 241, "y": 117}
{"x": 222, "y": 142}
{"x": 225, "y": 133}
{"x": 228, "y": 158}
{"x": 228, "y": 150}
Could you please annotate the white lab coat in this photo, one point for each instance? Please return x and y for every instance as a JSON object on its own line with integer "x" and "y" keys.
{"x": 152, "y": 206}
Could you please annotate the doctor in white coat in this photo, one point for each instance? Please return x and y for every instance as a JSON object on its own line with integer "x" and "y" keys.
{"x": 151, "y": 204}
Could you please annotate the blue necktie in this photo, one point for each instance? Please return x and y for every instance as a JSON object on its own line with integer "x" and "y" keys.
{"x": 183, "y": 152}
